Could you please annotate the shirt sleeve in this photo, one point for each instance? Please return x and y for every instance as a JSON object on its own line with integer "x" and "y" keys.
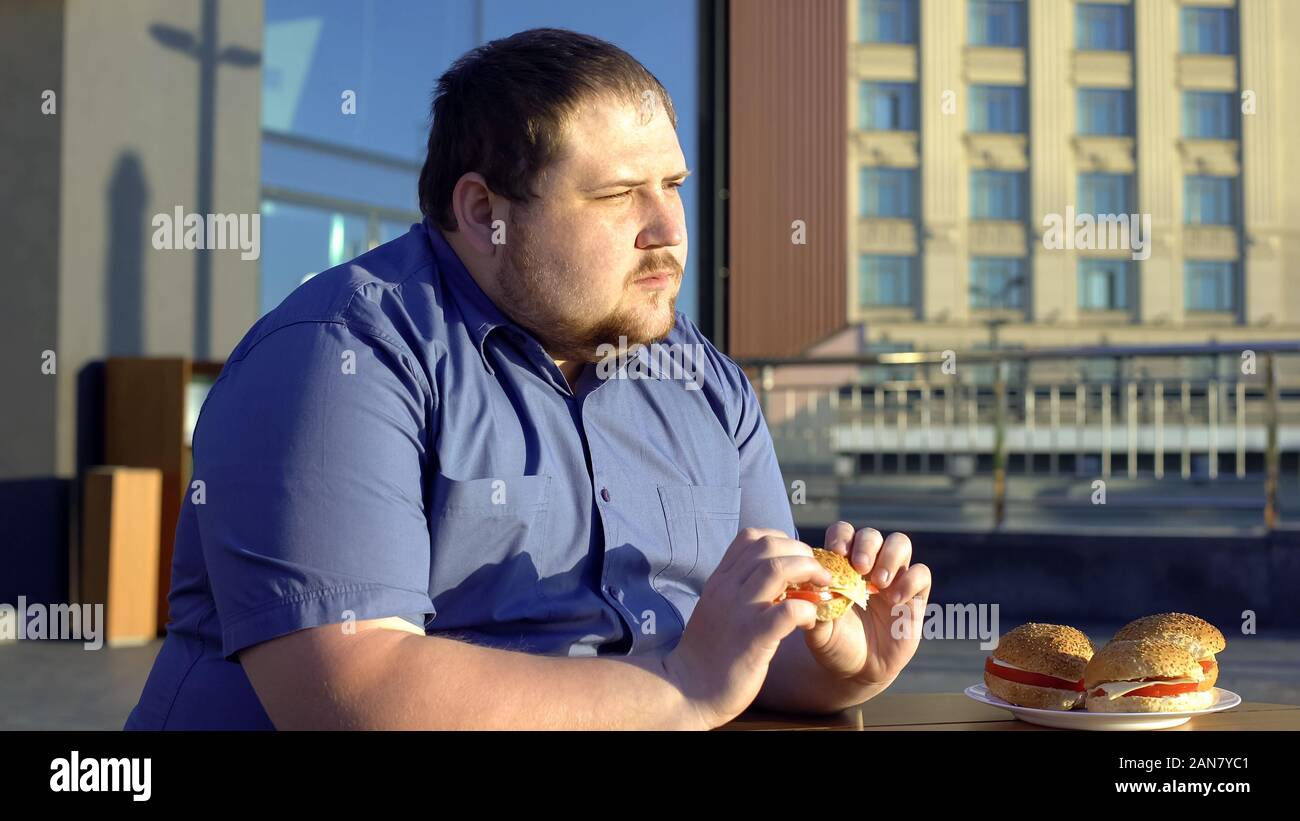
{"x": 763, "y": 499}
{"x": 310, "y": 453}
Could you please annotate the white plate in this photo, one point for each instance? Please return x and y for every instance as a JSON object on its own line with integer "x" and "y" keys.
{"x": 1080, "y": 719}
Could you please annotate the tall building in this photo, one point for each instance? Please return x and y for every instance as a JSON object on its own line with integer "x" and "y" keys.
{"x": 993, "y": 147}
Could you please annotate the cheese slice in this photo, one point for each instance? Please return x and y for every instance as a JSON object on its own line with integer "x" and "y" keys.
{"x": 1001, "y": 663}
{"x": 1116, "y": 689}
{"x": 858, "y": 596}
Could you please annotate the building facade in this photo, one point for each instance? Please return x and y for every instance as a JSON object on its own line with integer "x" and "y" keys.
{"x": 990, "y": 149}
{"x": 994, "y": 144}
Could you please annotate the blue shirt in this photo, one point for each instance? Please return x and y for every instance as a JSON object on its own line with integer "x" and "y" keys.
{"x": 386, "y": 442}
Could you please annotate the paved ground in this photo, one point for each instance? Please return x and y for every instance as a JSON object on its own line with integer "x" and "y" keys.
{"x": 47, "y": 685}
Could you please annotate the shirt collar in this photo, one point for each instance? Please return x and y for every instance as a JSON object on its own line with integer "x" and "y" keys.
{"x": 479, "y": 313}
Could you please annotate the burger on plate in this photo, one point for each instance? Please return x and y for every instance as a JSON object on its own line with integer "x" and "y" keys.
{"x": 1039, "y": 665}
{"x": 1145, "y": 676}
{"x": 847, "y": 587}
{"x": 1196, "y": 636}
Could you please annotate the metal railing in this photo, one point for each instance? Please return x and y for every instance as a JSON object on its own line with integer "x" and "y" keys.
{"x": 1158, "y": 412}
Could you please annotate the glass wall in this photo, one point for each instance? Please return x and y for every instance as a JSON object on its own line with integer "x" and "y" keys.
{"x": 346, "y": 88}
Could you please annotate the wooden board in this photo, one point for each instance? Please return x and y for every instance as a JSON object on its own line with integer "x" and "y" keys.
{"x": 120, "y": 548}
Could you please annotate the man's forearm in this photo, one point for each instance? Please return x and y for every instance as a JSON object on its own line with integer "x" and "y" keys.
{"x": 796, "y": 683}
{"x": 428, "y": 682}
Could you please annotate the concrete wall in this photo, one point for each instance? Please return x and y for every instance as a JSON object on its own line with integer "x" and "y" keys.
{"x": 83, "y": 278}
{"x": 78, "y": 192}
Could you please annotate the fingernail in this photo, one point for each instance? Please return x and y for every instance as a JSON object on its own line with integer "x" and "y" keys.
{"x": 884, "y": 577}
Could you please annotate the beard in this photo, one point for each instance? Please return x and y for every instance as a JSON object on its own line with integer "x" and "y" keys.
{"x": 547, "y": 298}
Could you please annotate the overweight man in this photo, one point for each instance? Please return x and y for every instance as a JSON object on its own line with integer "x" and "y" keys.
{"x": 425, "y": 495}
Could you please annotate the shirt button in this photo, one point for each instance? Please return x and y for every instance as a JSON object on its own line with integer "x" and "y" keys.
{"x": 604, "y": 493}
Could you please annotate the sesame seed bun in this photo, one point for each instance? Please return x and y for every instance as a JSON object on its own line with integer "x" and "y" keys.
{"x": 1195, "y": 635}
{"x": 1029, "y": 695}
{"x": 1145, "y": 704}
{"x": 1136, "y": 660}
{"x": 845, "y": 581}
{"x": 1049, "y": 649}
{"x": 842, "y": 572}
{"x": 1132, "y": 661}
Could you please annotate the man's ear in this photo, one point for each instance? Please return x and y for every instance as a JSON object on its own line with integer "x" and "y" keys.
{"x": 477, "y": 208}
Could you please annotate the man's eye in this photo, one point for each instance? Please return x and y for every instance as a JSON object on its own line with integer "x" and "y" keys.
{"x": 618, "y": 196}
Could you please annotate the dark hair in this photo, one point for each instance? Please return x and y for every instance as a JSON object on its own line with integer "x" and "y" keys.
{"x": 501, "y": 110}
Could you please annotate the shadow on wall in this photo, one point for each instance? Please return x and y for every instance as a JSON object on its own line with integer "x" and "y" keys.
{"x": 124, "y": 266}
{"x": 204, "y": 49}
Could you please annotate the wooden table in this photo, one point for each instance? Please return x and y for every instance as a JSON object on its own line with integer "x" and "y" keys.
{"x": 954, "y": 711}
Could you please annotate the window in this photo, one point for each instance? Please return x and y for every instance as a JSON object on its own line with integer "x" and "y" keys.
{"x": 1210, "y": 115}
{"x": 1104, "y": 284}
{"x": 1103, "y": 27}
{"x": 888, "y": 192}
{"x": 1209, "y": 200}
{"x": 997, "y": 195}
{"x": 887, "y": 107}
{"x": 885, "y": 280}
{"x": 1106, "y": 194}
{"x": 391, "y": 52}
{"x": 1210, "y": 286}
{"x": 997, "y": 109}
{"x": 887, "y": 21}
{"x": 997, "y": 282}
{"x": 1208, "y": 30}
{"x": 997, "y": 23}
{"x": 1106, "y": 111}
{"x": 299, "y": 241}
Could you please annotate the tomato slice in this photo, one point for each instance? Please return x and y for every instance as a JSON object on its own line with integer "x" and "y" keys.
{"x": 1157, "y": 690}
{"x": 1207, "y": 664}
{"x": 1036, "y": 679}
{"x": 807, "y": 595}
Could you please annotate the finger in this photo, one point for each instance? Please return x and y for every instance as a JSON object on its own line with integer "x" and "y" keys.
{"x": 913, "y": 582}
{"x": 770, "y": 578}
{"x": 779, "y": 545}
{"x": 743, "y": 542}
{"x": 866, "y": 546}
{"x": 780, "y": 620}
{"x": 819, "y": 635}
{"x": 908, "y": 617}
{"x": 839, "y": 537}
{"x": 894, "y": 556}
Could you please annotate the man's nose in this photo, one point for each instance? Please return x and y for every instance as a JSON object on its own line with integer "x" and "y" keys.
{"x": 666, "y": 222}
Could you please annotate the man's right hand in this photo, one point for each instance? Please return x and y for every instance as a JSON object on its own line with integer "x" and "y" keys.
{"x": 721, "y": 660}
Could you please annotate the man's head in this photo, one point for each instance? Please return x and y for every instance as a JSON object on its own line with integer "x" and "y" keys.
{"x": 570, "y": 144}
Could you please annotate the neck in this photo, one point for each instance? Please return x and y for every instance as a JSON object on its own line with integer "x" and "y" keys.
{"x": 572, "y": 369}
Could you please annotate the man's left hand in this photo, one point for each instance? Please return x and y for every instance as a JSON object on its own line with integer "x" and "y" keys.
{"x": 872, "y": 647}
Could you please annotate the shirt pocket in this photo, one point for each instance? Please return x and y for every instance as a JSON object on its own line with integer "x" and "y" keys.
{"x": 487, "y": 537}
{"x": 702, "y": 522}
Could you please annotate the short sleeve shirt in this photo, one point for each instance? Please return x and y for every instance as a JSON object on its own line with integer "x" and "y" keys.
{"x": 386, "y": 442}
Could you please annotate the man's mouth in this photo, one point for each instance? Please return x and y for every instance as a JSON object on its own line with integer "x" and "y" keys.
{"x": 655, "y": 281}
